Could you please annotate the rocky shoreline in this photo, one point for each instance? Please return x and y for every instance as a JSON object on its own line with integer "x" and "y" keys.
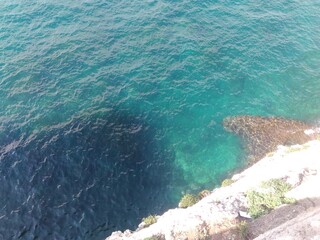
{"x": 227, "y": 212}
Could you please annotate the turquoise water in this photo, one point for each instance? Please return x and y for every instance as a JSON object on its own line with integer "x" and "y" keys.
{"x": 111, "y": 110}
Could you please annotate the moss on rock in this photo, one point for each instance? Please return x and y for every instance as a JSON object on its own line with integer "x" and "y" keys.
{"x": 188, "y": 200}
{"x": 149, "y": 220}
{"x": 227, "y": 182}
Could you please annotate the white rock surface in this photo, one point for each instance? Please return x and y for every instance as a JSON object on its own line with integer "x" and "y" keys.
{"x": 298, "y": 165}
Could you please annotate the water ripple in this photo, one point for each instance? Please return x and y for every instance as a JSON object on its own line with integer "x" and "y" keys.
{"x": 111, "y": 109}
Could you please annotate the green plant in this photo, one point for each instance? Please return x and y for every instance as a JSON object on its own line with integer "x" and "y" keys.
{"x": 188, "y": 200}
{"x": 279, "y": 186}
{"x": 149, "y": 220}
{"x": 242, "y": 228}
{"x": 227, "y": 182}
{"x": 261, "y": 203}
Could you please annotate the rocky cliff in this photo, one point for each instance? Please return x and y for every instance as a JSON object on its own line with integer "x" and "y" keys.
{"x": 275, "y": 198}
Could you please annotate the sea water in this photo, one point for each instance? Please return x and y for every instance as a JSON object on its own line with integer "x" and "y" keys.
{"x": 112, "y": 110}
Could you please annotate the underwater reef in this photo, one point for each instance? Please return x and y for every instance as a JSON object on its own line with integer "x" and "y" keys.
{"x": 262, "y": 135}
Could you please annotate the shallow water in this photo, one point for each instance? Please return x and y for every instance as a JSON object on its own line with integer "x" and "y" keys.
{"x": 110, "y": 110}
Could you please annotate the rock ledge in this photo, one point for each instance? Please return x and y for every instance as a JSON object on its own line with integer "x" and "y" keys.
{"x": 216, "y": 216}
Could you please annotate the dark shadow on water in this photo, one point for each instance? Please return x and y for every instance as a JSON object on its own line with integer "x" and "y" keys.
{"x": 83, "y": 179}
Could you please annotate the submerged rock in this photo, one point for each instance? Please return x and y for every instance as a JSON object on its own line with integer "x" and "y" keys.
{"x": 262, "y": 135}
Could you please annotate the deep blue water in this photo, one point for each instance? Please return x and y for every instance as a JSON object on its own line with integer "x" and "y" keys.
{"x": 111, "y": 110}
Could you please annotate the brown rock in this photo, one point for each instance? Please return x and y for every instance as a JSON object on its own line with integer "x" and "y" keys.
{"x": 263, "y": 134}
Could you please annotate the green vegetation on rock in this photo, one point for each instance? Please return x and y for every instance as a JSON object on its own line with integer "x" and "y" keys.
{"x": 149, "y": 220}
{"x": 278, "y": 185}
{"x": 188, "y": 200}
{"x": 227, "y": 182}
{"x": 272, "y": 196}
